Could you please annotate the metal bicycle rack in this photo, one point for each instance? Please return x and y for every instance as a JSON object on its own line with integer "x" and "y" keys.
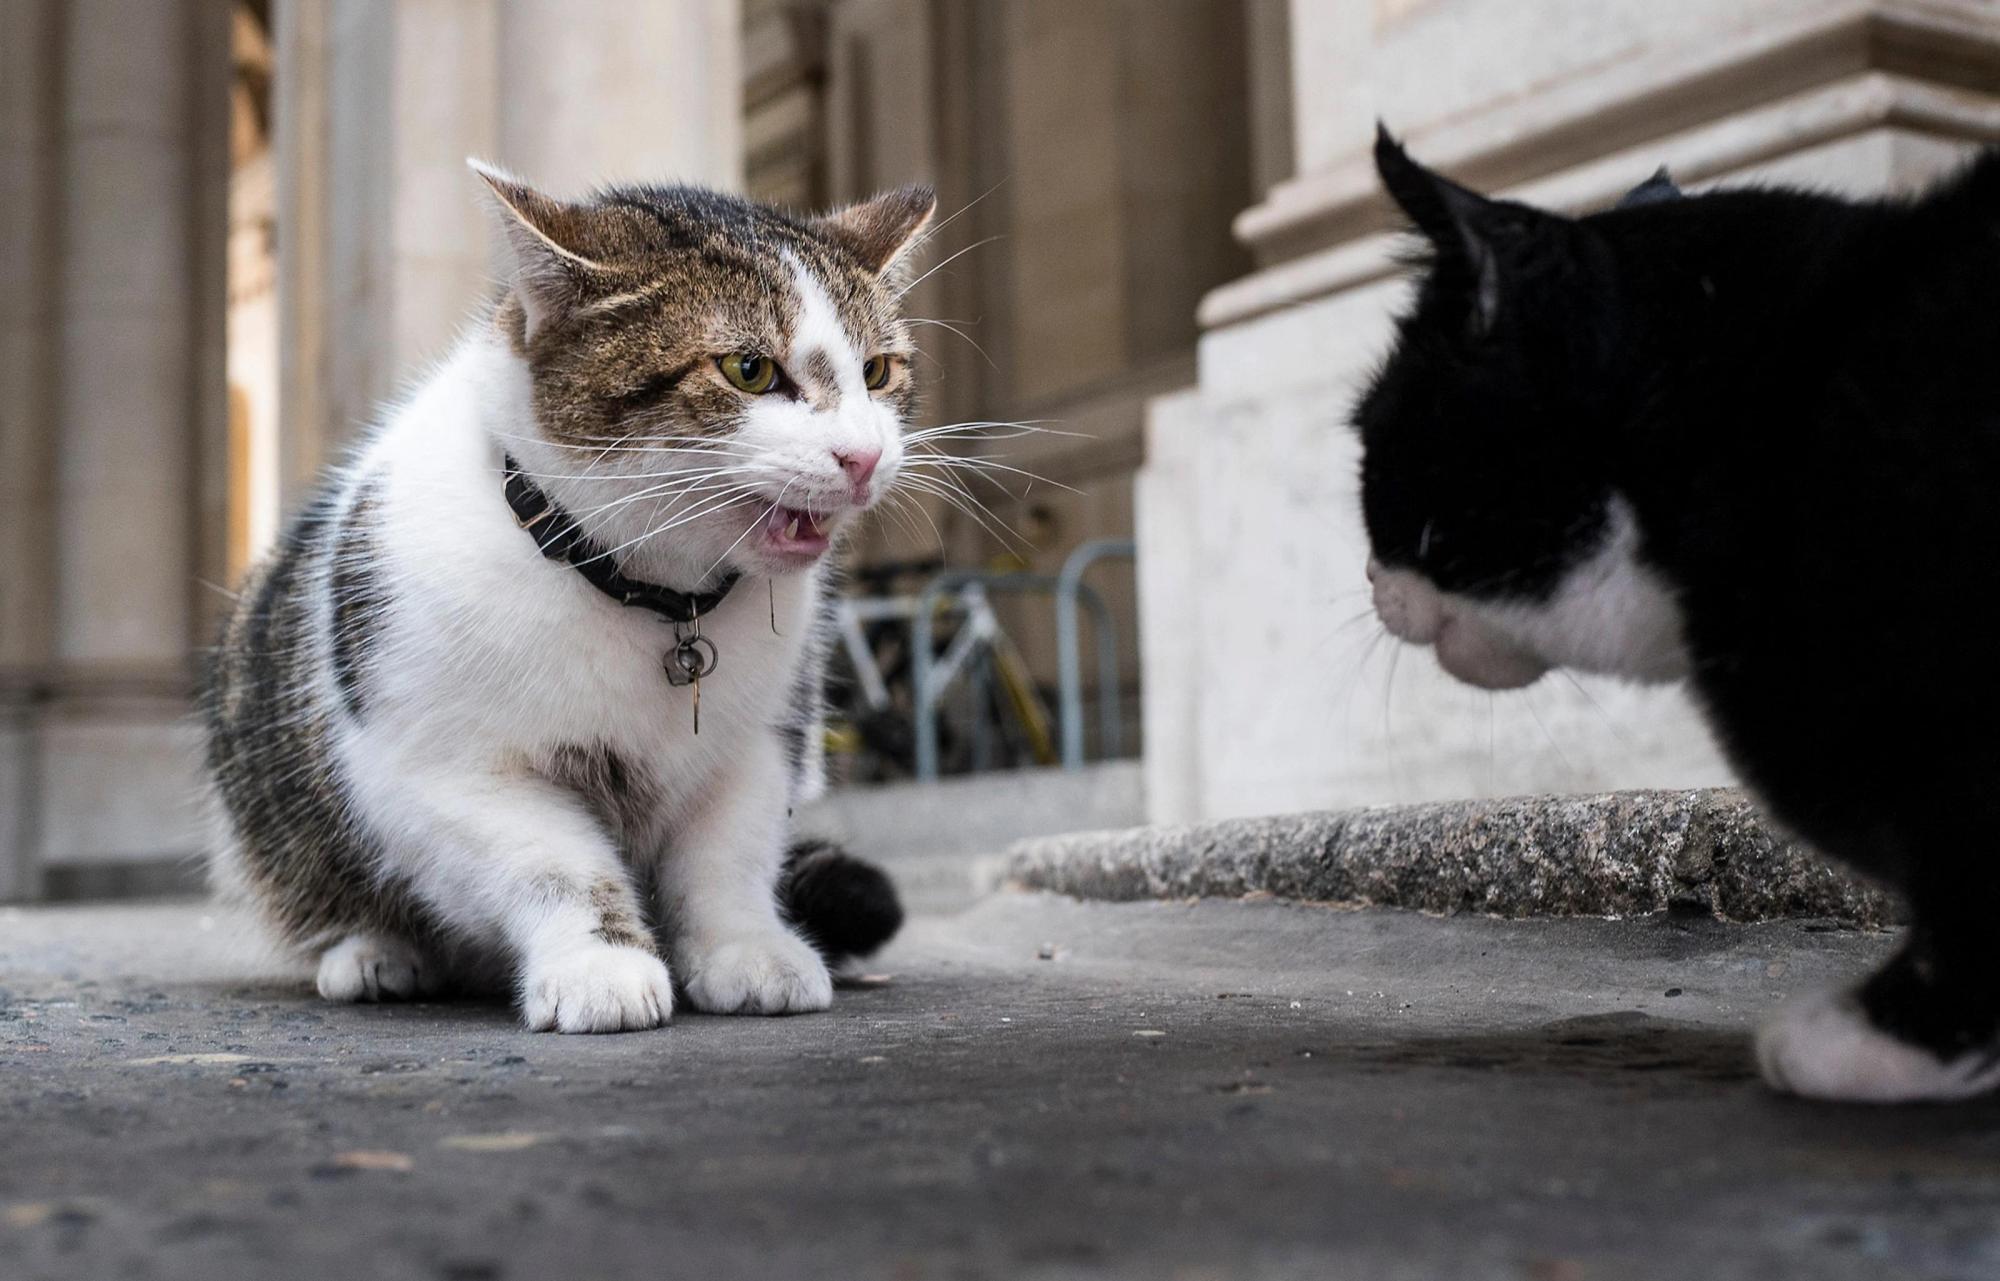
{"x": 968, "y": 592}
{"x": 1069, "y": 589}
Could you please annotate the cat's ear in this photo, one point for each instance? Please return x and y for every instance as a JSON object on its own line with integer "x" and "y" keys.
{"x": 882, "y": 229}
{"x": 549, "y": 260}
{"x": 1659, "y": 187}
{"x": 1459, "y": 222}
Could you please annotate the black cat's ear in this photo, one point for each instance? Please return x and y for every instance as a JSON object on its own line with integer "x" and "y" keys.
{"x": 1655, "y": 189}
{"x": 1458, "y": 221}
{"x": 1438, "y": 206}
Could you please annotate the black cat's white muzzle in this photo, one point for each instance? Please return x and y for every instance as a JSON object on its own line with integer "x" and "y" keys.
{"x": 1467, "y": 646}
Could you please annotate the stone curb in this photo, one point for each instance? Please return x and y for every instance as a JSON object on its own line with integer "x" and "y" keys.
{"x": 1614, "y": 854}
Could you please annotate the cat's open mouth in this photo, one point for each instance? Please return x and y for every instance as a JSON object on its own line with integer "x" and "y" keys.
{"x": 790, "y": 531}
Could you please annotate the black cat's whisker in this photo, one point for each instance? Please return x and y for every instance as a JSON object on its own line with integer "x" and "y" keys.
{"x": 1617, "y": 731}
{"x": 1345, "y": 625}
{"x": 1389, "y": 693}
{"x": 1528, "y": 701}
{"x": 1359, "y": 672}
{"x": 1492, "y": 736}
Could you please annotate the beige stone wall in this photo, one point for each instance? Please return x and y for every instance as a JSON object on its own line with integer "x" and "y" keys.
{"x": 116, "y": 461}
{"x": 114, "y": 119}
{"x": 386, "y": 249}
{"x": 1099, "y": 150}
{"x": 1248, "y": 509}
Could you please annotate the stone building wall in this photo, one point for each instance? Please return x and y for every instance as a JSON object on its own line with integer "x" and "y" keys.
{"x": 113, "y": 187}
{"x": 1247, "y": 503}
{"x": 1188, "y": 268}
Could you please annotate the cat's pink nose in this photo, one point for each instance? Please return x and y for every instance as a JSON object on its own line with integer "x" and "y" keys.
{"x": 859, "y": 464}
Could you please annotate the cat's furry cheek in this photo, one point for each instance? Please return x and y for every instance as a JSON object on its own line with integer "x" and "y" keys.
{"x": 1479, "y": 655}
{"x": 1467, "y": 646}
{"x": 1610, "y": 614}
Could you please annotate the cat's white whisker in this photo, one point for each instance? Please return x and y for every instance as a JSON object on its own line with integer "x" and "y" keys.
{"x": 983, "y": 516}
{"x": 973, "y": 463}
{"x": 950, "y": 327}
{"x": 904, "y": 292}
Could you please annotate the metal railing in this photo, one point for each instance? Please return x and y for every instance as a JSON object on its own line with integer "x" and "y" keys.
{"x": 1110, "y": 716}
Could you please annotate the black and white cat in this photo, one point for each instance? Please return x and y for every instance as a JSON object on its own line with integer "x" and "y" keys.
{"x": 527, "y": 691}
{"x": 1751, "y": 439}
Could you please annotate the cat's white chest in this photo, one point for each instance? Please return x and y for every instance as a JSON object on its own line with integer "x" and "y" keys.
{"x": 605, "y": 682}
{"x": 503, "y": 656}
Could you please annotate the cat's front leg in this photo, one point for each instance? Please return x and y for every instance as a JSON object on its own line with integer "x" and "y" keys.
{"x": 1925, "y": 1027}
{"x": 514, "y": 860}
{"x": 718, "y": 896}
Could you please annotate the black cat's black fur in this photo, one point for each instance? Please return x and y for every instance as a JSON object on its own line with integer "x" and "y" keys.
{"x": 1797, "y": 398}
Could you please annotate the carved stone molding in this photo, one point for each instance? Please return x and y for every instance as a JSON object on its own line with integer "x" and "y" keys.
{"x": 1704, "y": 109}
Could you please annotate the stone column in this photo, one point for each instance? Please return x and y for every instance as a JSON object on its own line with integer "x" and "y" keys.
{"x": 29, "y": 130}
{"x": 596, "y": 90}
{"x": 1563, "y": 105}
{"x": 383, "y": 244}
{"x": 116, "y": 172}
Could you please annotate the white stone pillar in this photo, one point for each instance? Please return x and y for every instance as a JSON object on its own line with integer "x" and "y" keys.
{"x": 116, "y": 164}
{"x": 29, "y": 130}
{"x": 1563, "y": 105}
{"x": 383, "y": 244}
{"x": 595, "y": 90}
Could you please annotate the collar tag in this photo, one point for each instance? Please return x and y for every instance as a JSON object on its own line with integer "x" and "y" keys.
{"x": 692, "y": 657}
{"x": 561, "y": 539}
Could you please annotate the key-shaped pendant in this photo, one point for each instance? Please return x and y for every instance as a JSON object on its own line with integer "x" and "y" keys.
{"x": 692, "y": 657}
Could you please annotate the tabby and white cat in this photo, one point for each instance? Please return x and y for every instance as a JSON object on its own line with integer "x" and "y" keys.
{"x": 529, "y": 688}
{"x": 1750, "y": 438}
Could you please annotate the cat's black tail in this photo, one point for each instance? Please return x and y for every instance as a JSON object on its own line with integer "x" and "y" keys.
{"x": 846, "y": 907}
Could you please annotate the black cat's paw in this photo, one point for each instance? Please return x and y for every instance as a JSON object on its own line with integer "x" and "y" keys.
{"x": 1822, "y": 1046}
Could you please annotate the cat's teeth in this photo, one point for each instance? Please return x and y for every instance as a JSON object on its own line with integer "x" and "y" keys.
{"x": 792, "y": 530}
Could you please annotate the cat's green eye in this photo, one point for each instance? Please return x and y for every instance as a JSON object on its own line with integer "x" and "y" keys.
{"x": 745, "y": 372}
{"x": 876, "y": 372}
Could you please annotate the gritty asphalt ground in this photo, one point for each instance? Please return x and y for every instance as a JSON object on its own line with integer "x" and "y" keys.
{"x": 1043, "y": 1089}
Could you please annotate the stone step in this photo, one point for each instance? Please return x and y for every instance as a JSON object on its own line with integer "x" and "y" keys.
{"x": 1611, "y": 855}
{"x": 942, "y": 841}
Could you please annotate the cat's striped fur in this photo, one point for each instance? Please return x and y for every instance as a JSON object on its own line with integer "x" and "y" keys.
{"x": 441, "y": 756}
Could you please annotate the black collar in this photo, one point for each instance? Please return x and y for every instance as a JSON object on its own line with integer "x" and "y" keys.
{"x": 556, "y": 533}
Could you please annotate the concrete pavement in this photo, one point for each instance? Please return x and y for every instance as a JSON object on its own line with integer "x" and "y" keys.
{"x": 1043, "y": 1089}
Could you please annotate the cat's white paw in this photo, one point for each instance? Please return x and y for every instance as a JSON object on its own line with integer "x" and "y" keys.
{"x": 367, "y": 967}
{"x": 599, "y": 988}
{"x": 1823, "y": 1047}
{"x": 775, "y": 972}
